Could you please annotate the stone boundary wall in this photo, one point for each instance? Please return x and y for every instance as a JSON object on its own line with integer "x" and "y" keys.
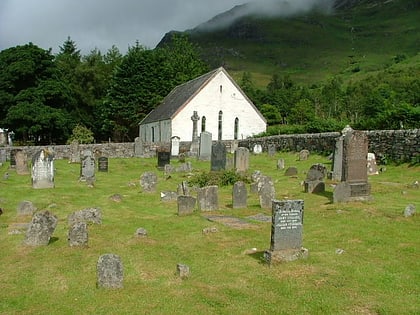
{"x": 395, "y": 145}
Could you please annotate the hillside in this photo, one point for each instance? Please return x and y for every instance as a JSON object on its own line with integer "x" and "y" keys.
{"x": 352, "y": 37}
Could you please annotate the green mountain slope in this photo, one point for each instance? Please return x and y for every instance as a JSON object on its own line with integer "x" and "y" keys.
{"x": 356, "y": 38}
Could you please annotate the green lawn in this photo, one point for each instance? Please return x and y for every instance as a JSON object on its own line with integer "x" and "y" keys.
{"x": 378, "y": 272}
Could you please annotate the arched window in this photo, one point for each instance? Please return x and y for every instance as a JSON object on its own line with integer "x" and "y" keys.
{"x": 221, "y": 88}
{"x": 153, "y": 134}
{"x": 220, "y": 125}
{"x": 236, "y": 130}
{"x": 203, "y": 123}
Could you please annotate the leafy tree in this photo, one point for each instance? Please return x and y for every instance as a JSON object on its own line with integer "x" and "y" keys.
{"x": 81, "y": 134}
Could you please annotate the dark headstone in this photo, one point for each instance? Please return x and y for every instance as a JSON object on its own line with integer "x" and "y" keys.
{"x": 78, "y": 234}
{"x": 314, "y": 182}
{"x": 291, "y": 171}
{"x": 43, "y": 170}
{"x": 208, "y": 198}
{"x": 239, "y": 195}
{"x": 218, "y": 156}
{"x": 186, "y": 205}
{"x": 241, "y": 158}
{"x": 110, "y": 271}
{"x": 164, "y": 157}
{"x": 103, "y": 164}
{"x": 26, "y": 208}
{"x": 286, "y": 231}
{"x": 41, "y": 229}
{"x": 148, "y": 181}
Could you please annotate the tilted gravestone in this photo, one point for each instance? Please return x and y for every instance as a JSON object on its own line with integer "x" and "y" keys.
{"x": 291, "y": 171}
{"x": 208, "y": 198}
{"x": 88, "y": 215}
{"x": 241, "y": 159}
{"x": 78, "y": 234}
{"x": 218, "y": 156}
{"x": 186, "y": 205}
{"x": 43, "y": 170}
{"x": 239, "y": 195}
{"x": 21, "y": 162}
{"x": 148, "y": 181}
{"x": 314, "y": 182}
{"x": 286, "y": 232}
{"x": 110, "y": 272}
{"x": 103, "y": 164}
{"x": 205, "y": 146}
{"x": 41, "y": 229}
{"x": 354, "y": 184}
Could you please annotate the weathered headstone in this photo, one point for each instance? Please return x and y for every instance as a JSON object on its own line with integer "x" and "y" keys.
{"x": 291, "y": 171}
{"x": 87, "y": 167}
{"x": 163, "y": 156}
{"x": 88, "y": 215}
{"x": 266, "y": 191}
{"x": 110, "y": 272}
{"x": 103, "y": 164}
{"x": 372, "y": 168}
{"x": 21, "y": 163}
{"x": 182, "y": 157}
{"x": 205, "y": 146}
{"x": 183, "y": 271}
{"x": 74, "y": 152}
{"x": 286, "y": 232}
{"x": 337, "y": 166}
{"x": 314, "y": 182}
{"x": 218, "y": 156}
{"x": 26, "y": 208}
{"x": 175, "y": 145}
{"x": 183, "y": 189}
{"x": 3, "y": 156}
{"x": 13, "y": 157}
{"x": 208, "y": 198}
{"x": 241, "y": 158}
{"x": 410, "y": 210}
{"x": 167, "y": 196}
{"x": 186, "y": 205}
{"x": 271, "y": 150}
{"x": 43, "y": 170}
{"x": 257, "y": 149}
{"x": 138, "y": 147}
{"x": 3, "y": 137}
{"x": 41, "y": 229}
{"x": 303, "y": 155}
{"x": 148, "y": 181}
{"x": 78, "y": 234}
{"x": 141, "y": 232}
{"x": 239, "y": 195}
{"x": 280, "y": 164}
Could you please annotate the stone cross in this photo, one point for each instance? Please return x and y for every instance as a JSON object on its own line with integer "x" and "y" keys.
{"x": 195, "y": 118}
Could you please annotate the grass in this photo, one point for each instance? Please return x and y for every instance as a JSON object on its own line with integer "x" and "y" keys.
{"x": 378, "y": 272}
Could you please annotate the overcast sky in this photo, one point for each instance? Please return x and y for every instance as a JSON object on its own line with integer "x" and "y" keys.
{"x": 103, "y": 23}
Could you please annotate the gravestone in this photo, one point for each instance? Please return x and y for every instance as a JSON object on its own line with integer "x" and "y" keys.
{"x": 175, "y": 145}
{"x": 372, "y": 168}
{"x": 141, "y": 232}
{"x": 88, "y": 215}
{"x": 410, "y": 210}
{"x": 148, "y": 181}
{"x": 291, "y": 171}
{"x": 195, "y": 145}
{"x": 241, "y": 159}
{"x": 286, "y": 232}
{"x": 208, "y": 198}
{"x": 74, "y": 152}
{"x": 3, "y": 156}
{"x": 183, "y": 189}
{"x": 257, "y": 149}
{"x": 183, "y": 271}
{"x": 186, "y": 205}
{"x": 26, "y": 208}
{"x": 280, "y": 164}
{"x": 41, "y": 229}
{"x": 337, "y": 166}
{"x": 43, "y": 170}
{"x": 205, "y": 146}
{"x": 87, "y": 167}
{"x": 314, "y": 182}
{"x": 218, "y": 156}
{"x": 354, "y": 184}
{"x": 163, "y": 157}
{"x": 271, "y": 151}
{"x": 303, "y": 155}
{"x": 21, "y": 163}
{"x": 3, "y": 137}
{"x": 239, "y": 195}
{"x": 266, "y": 191}
{"x": 167, "y": 196}
{"x": 78, "y": 234}
{"x": 110, "y": 272}
{"x": 103, "y": 164}
{"x": 138, "y": 147}
{"x": 13, "y": 157}
{"x": 181, "y": 157}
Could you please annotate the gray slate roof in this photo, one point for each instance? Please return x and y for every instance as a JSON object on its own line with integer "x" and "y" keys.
{"x": 178, "y": 97}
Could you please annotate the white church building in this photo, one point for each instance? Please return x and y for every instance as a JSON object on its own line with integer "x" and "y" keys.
{"x": 214, "y": 101}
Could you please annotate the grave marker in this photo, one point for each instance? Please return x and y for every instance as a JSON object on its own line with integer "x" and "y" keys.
{"x": 110, "y": 271}
{"x": 21, "y": 161}
{"x": 175, "y": 145}
{"x": 103, "y": 164}
{"x": 164, "y": 157}
{"x": 208, "y": 198}
{"x": 218, "y": 156}
{"x": 41, "y": 229}
{"x": 241, "y": 159}
{"x": 205, "y": 146}
{"x": 186, "y": 205}
{"x": 43, "y": 170}
{"x": 78, "y": 234}
{"x": 87, "y": 167}
{"x": 239, "y": 195}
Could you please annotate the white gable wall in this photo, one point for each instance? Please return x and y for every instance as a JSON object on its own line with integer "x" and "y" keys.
{"x": 220, "y": 94}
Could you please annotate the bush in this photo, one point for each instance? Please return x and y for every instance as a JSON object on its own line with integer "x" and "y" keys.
{"x": 220, "y": 178}
{"x": 82, "y": 134}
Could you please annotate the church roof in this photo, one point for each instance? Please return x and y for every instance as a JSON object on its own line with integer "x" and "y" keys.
{"x": 178, "y": 97}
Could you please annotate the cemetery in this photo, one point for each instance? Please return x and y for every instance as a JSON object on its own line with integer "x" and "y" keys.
{"x": 300, "y": 233}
